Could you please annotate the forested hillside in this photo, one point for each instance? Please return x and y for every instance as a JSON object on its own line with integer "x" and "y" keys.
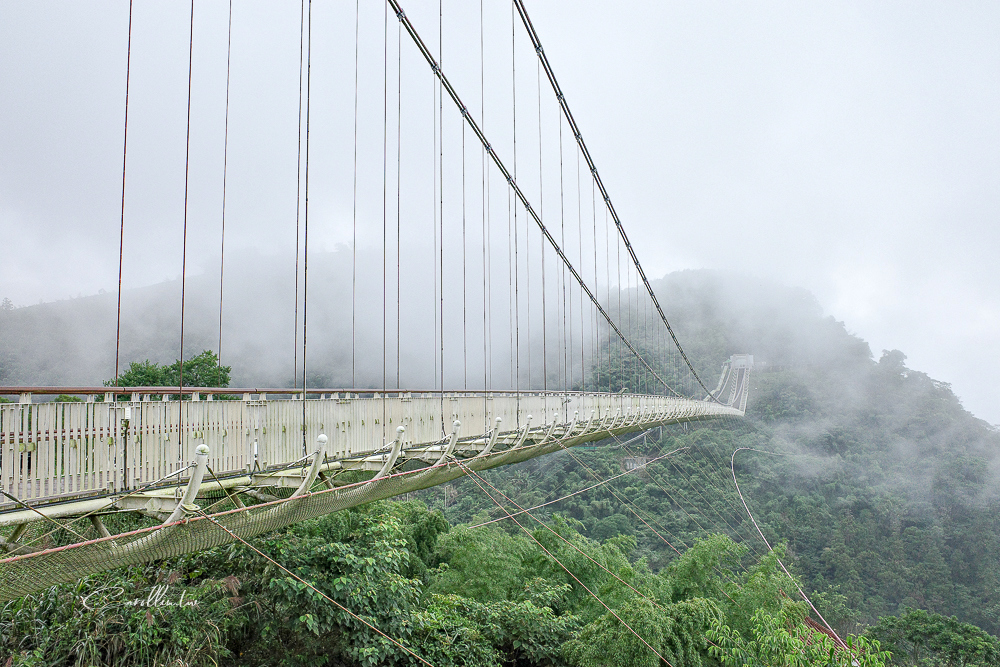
{"x": 887, "y": 495}
{"x": 879, "y": 492}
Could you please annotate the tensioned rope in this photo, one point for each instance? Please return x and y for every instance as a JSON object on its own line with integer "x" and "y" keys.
{"x": 475, "y": 478}
{"x": 440, "y": 232}
{"x": 121, "y": 239}
{"x": 769, "y": 548}
{"x": 583, "y": 490}
{"x": 225, "y": 171}
{"x": 567, "y": 303}
{"x": 516, "y": 343}
{"x": 634, "y": 508}
{"x": 311, "y": 587}
{"x": 354, "y": 206}
{"x": 107, "y": 506}
{"x": 600, "y": 184}
{"x": 541, "y": 244}
{"x": 298, "y": 192}
{"x": 187, "y": 171}
{"x": 689, "y": 478}
{"x": 544, "y": 525}
{"x": 487, "y": 292}
{"x": 399, "y": 190}
{"x": 385, "y": 204}
{"x": 446, "y": 84}
{"x": 579, "y": 239}
{"x": 624, "y": 501}
{"x": 305, "y": 225}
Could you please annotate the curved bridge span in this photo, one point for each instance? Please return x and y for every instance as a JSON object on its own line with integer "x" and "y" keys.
{"x": 169, "y": 459}
{"x": 202, "y": 466}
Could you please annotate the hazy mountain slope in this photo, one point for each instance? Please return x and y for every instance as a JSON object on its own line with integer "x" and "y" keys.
{"x": 890, "y": 495}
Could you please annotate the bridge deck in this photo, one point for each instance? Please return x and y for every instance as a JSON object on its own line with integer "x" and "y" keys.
{"x": 80, "y": 459}
{"x": 58, "y": 451}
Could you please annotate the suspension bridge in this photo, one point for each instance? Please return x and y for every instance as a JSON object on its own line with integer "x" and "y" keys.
{"x": 585, "y": 347}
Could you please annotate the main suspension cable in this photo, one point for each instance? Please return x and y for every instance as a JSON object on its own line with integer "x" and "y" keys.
{"x": 436, "y": 68}
{"x": 600, "y": 184}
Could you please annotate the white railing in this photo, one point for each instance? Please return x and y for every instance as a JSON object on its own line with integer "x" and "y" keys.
{"x": 55, "y": 450}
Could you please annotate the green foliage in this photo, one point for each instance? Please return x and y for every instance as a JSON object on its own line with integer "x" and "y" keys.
{"x": 111, "y": 619}
{"x": 607, "y": 640}
{"x": 918, "y": 638}
{"x": 203, "y": 370}
{"x": 520, "y": 632}
{"x": 487, "y": 564}
{"x": 693, "y": 574}
{"x": 641, "y": 629}
{"x": 778, "y": 641}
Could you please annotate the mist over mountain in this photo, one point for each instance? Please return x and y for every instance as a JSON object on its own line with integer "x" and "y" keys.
{"x": 72, "y": 342}
{"x": 884, "y": 488}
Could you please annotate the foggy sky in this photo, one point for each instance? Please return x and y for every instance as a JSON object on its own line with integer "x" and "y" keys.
{"x": 852, "y": 149}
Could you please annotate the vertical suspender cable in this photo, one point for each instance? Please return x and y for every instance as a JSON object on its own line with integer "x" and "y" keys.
{"x": 607, "y": 283}
{"x": 579, "y": 238}
{"x": 621, "y": 357}
{"x": 298, "y": 193}
{"x": 527, "y": 238}
{"x": 305, "y": 225}
{"x": 121, "y": 239}
{"x": 385, "y": 202}
{"x": 541, "y": 239}
{"x": 399, "y": 172}
{"x": 510, "y": 289}
{"x": 517, "y": 267}
{"x": 434, "y": 228}
{"x": 440, "y": 94}
{"x": 487, "y": 292}
{"x": 595, "y": 362}
{"x": 187, "y": 170}
{"x": 566, "y": 331}
{"x": 354, "y": 213}
{"x": 225, "y": 169}
{"x": 465, "y": 304}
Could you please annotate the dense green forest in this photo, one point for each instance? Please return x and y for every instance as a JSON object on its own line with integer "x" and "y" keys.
{"x": 886, "y": 492}
{"x": 878, "y": 491}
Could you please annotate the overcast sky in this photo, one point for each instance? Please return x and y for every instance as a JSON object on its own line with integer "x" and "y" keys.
{"x": 849, "y": 148}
